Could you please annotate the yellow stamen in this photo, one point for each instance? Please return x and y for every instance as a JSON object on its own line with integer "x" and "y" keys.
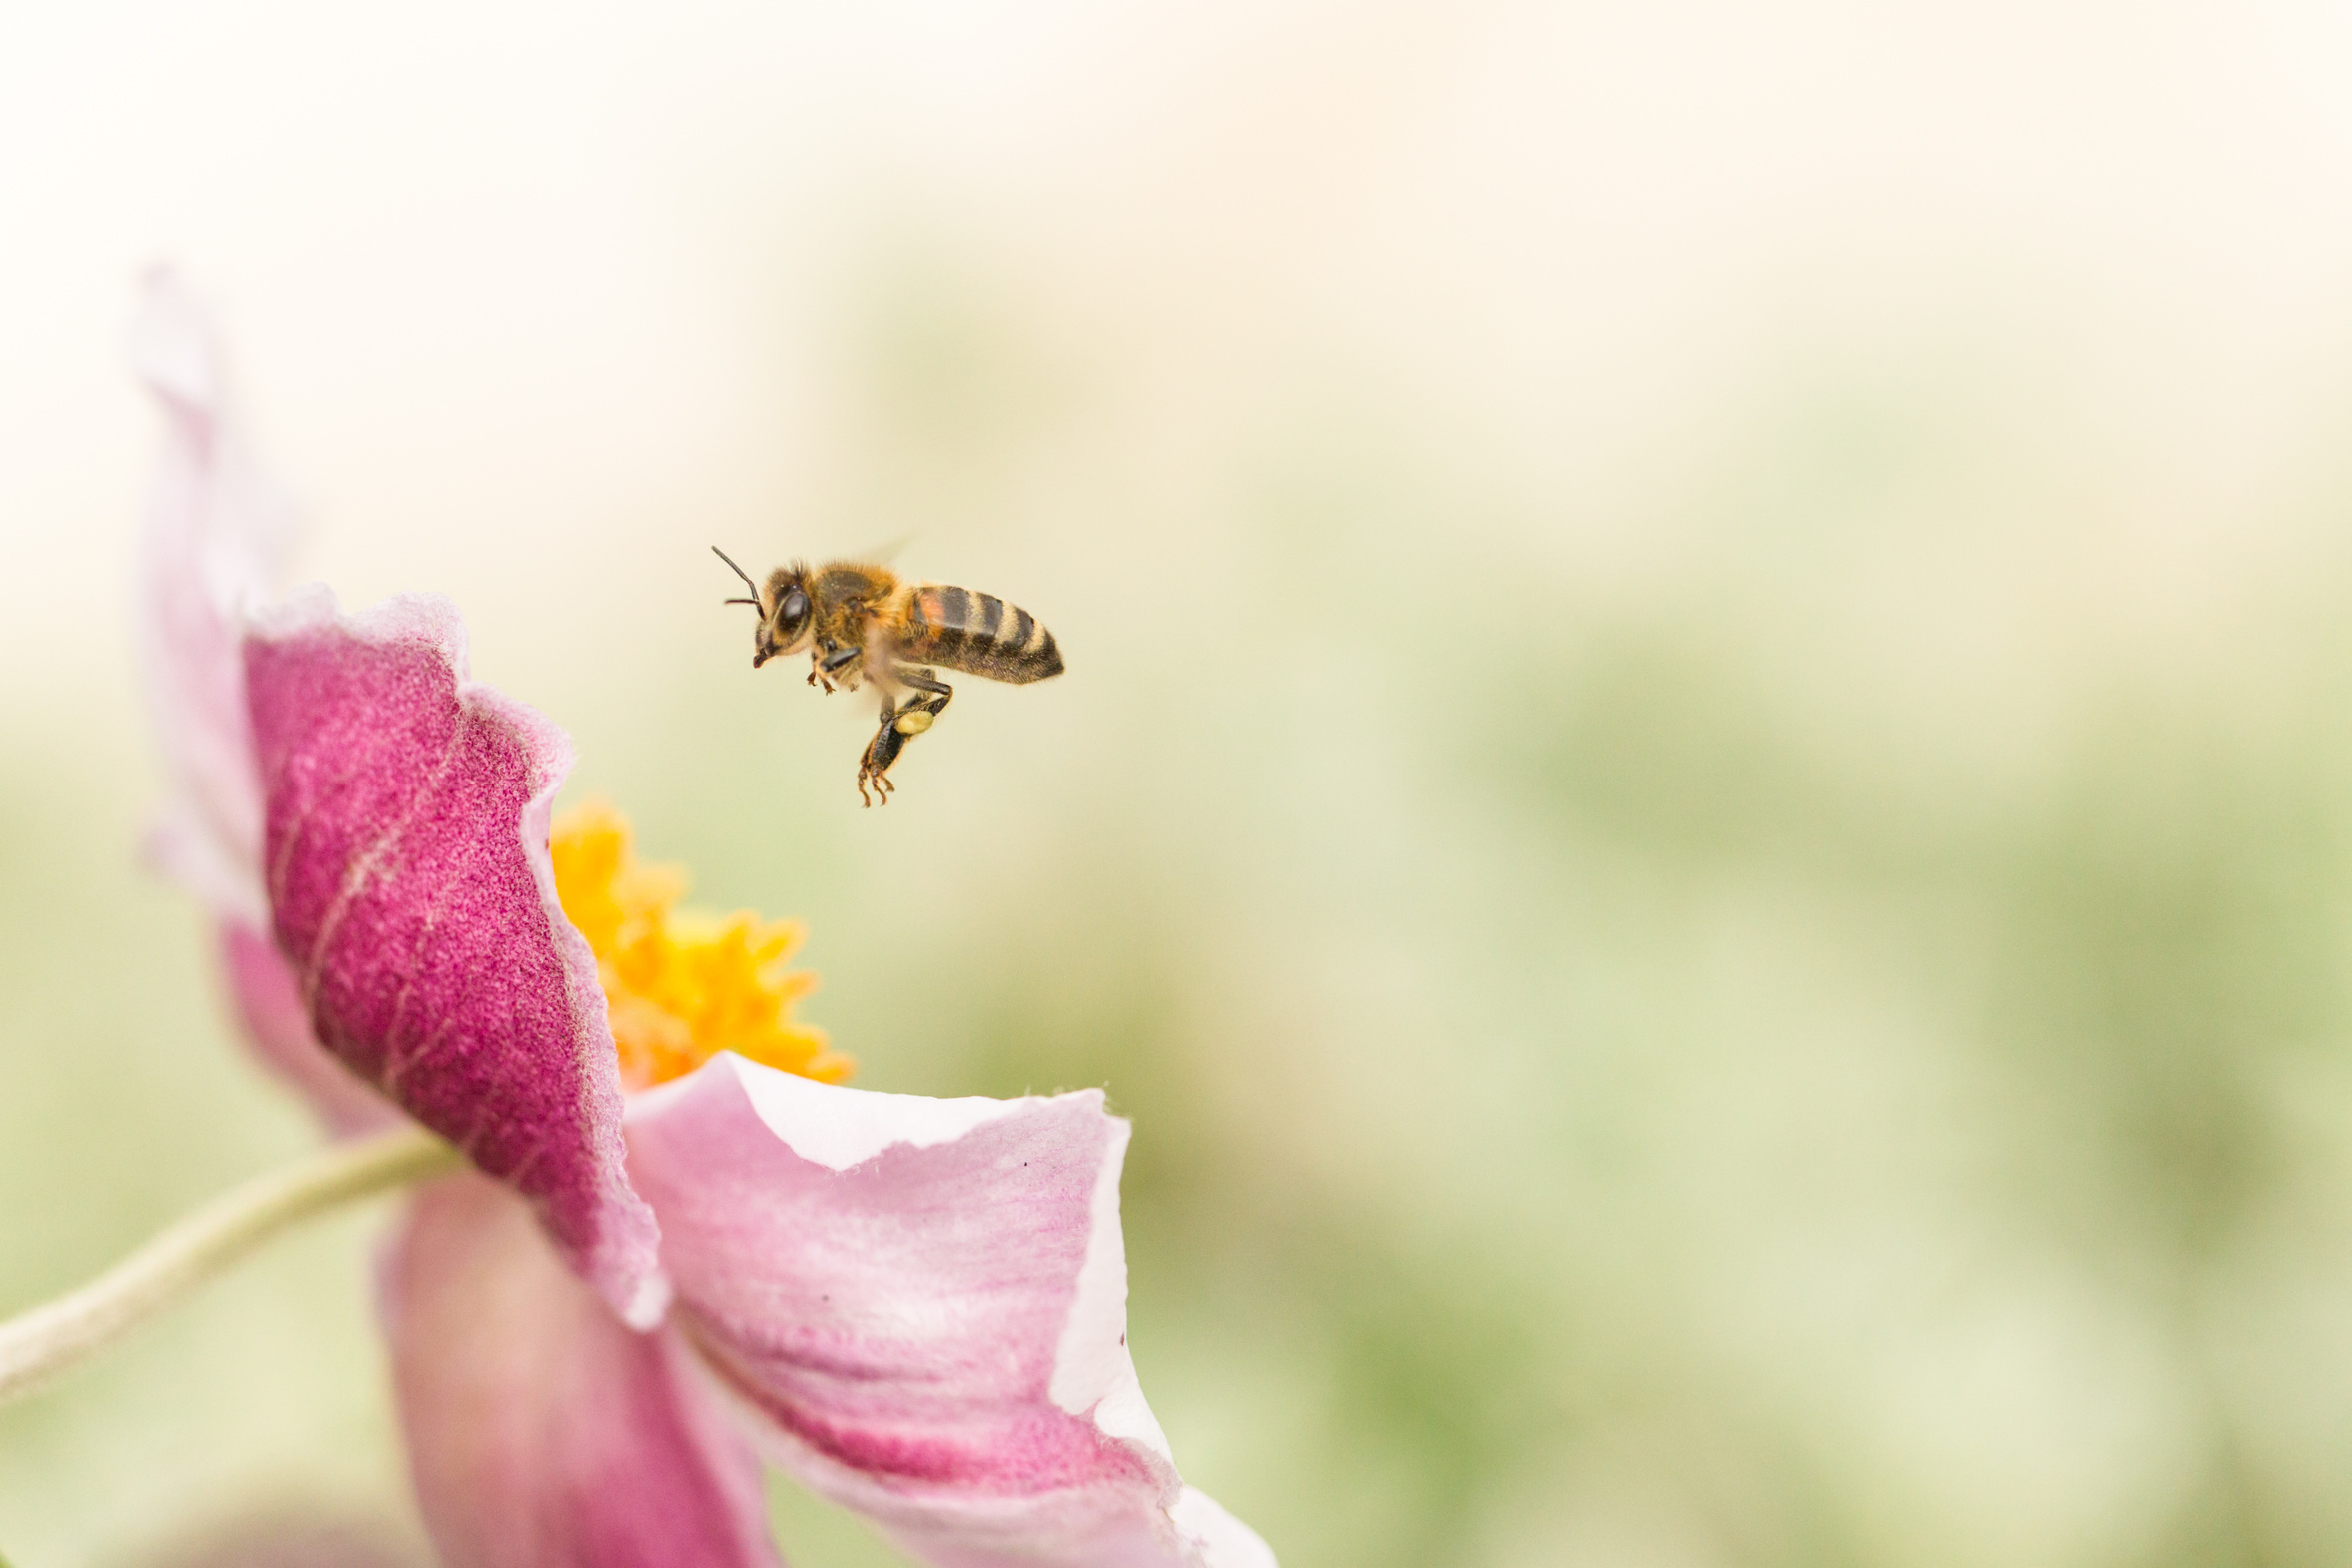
{"x": 681, "y": 985}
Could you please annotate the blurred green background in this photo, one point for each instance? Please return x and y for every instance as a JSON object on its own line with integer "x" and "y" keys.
{"x": 1704, "y": 806}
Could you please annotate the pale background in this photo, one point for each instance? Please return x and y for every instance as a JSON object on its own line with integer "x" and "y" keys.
{"x": 1704, "y": 801}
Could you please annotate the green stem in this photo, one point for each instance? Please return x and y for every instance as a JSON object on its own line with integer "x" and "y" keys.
{"x": 49, "y": 1338}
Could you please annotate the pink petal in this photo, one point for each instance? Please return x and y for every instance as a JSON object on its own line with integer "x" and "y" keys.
{"x": 541, "y": 1432}
{"x": 269, "y": 1005}
{"x": 411, "y": 886}
{"x": 923, "y": 1303}
{"x": 213, "y": 545}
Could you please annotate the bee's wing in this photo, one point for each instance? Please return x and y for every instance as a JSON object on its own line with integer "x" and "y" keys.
{"x": 887, "y": 552}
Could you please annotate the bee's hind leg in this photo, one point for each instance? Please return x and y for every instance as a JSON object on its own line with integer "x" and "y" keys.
{"x": 932, "y": 698}
{"x": 874, "y": 767}
{"x": 901, "y": 721}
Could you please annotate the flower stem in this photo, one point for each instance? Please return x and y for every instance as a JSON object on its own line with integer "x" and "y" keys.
{"x": 83, "y": 1320}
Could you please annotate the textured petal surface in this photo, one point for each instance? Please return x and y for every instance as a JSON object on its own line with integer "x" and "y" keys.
{"x": 541, "y": 1432}
{"x": 405, "y": 841}
{"x": 212, "y": 546}
{"x": 923, "y": 1304}
{"x": 269, "y": 1003}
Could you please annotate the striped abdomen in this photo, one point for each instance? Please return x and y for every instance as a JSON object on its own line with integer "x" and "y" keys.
{"x": 980, "y": 634}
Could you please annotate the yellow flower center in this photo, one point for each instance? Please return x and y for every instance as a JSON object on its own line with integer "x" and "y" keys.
{"x": 681, "y": 985}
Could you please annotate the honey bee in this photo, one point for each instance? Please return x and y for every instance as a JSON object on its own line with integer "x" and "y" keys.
{"x": 860, "y": 622}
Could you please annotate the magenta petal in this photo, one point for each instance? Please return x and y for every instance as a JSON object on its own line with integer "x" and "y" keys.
{"x": 923, "y": 1303}
{"x": 410, "y": 888}
{"x": 541, "y": 1432}
{"x": 211, "y": 549}
{"x": 269, "y": 1005}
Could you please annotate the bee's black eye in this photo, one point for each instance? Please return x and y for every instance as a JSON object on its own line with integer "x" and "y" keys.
{"x": 792, "y": 613}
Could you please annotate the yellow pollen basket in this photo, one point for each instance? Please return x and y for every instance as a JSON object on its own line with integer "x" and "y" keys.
{"x": 681, "y": 985}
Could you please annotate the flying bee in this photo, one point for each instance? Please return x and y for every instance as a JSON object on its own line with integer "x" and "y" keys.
{"x": 860, "y": 622}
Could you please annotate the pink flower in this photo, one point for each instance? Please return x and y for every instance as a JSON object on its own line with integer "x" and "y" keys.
{"x": 916, "y": 1307}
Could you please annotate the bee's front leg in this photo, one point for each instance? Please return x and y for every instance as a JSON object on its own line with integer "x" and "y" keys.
{"x": 828, "y": 662}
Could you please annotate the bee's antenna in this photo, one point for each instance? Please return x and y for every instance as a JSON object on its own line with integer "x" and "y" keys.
{"x": 740, "y": 572}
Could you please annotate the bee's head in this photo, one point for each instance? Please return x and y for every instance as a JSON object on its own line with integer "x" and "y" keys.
{"x": 784, "y": 605}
